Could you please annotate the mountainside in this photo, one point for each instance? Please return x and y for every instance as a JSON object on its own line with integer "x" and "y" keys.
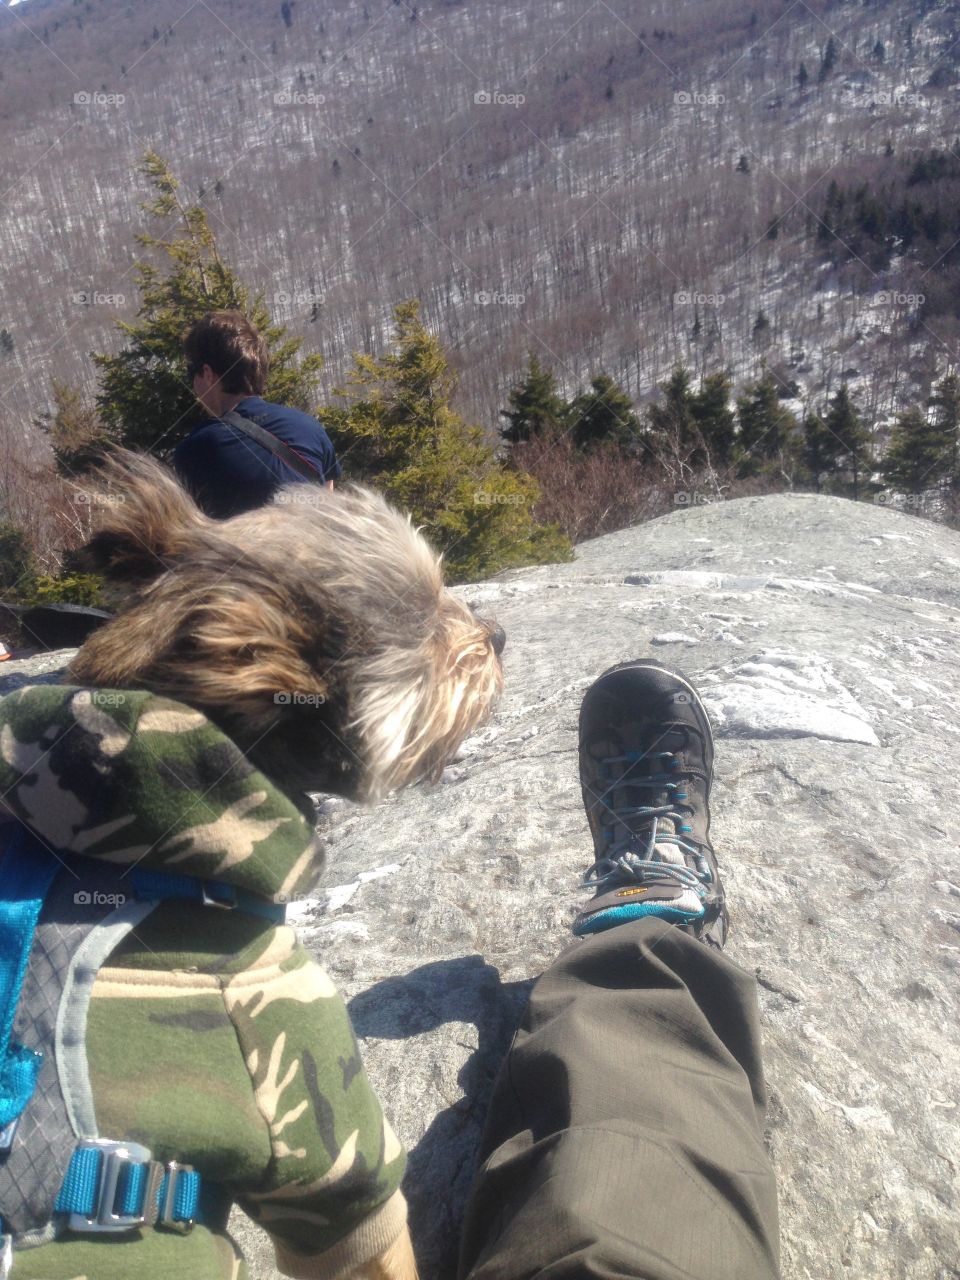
{"x": 823, "y": 636}
{"x": 614, "y": 187}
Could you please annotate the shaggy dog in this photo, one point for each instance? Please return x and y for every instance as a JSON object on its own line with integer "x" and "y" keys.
{"x": 316, "y": 632}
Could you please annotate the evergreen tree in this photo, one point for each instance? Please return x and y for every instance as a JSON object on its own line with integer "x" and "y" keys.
{"x": 715, "y": 420}
{"x": 803, "y": 76}
{"x": 820, "y": 449}
{"x": 673, "y": 431}
{"x": 768, "y": 431}
{"x": 18, "y": 568}
{"x": 832, "y": 212}
{"x": 535, "y": 405}
{"x": 879, "y": 52}
{"x": 6, "y": 342}
{"x": 918, "y": 455}
{"x": 403, "y": 436}
{"x": 76, "y": 433}
{"x": 145, "y": 401}
{"x": 828, "y": 60}
{"x": 945, "y": 403}
{"x": 923, "y": 448}
{"x": 852, "y": 437}
{"x": 743, "y": 164}
{"x": 603, "y": 415}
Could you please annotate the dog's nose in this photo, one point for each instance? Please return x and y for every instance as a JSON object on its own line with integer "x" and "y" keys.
{"x": 498, "y": 640}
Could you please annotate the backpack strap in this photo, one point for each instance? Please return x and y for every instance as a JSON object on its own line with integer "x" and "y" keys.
{"x": 61, "y": 939}
{"x": 53, "y": 942}
{"x": 251, "y": 427}
{"x": 27, "y": 875}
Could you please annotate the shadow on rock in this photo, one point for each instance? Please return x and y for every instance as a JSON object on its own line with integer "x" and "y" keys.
{"x": 440, "y": 997}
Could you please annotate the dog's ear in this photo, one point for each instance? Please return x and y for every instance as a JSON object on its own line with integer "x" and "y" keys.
{"x": 148, "y": 518}
{"x": 221, "y": 637}
{"x": 119, "y": 654}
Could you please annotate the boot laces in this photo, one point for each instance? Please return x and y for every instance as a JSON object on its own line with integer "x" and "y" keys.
{"x": 654, "y": 846}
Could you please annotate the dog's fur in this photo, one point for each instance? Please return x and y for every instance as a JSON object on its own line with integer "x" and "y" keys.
{"x": 316, "y": 631}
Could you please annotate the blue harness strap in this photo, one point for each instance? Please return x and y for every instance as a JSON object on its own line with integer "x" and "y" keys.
{"x": 211, "y": 893}
{"x": 26, "y": 873}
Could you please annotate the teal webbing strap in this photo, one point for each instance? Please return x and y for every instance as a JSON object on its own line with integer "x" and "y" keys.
{"x": 134, "y": 1186}
{"x": 212, "y": 893}
{"x": 81, "y": 1182}
{"x": 82, "y": 1189}
{"x": 186, "y": 1194}
{"x": 26, "y": 872}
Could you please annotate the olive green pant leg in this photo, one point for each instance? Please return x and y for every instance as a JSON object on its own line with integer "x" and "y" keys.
{"x": 625, "y": 1130}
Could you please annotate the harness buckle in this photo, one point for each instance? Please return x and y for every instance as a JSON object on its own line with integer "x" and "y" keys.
{"x": 116, "y": 1157}
{"x": 165, "y": 1218}
{"x": 210, "y": 900}
{"x": 6, "y": 1141}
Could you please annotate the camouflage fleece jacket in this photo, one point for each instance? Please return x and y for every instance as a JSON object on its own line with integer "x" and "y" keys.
{"x": 212, "y": 1037}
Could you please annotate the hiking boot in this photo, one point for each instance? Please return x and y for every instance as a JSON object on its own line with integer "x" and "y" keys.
{"x": 646, "y": 763}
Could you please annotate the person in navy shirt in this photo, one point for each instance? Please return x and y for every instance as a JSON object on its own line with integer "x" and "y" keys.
{"x": 225, "y": 470}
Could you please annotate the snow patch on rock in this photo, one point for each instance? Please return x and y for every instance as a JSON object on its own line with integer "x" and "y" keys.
{"x": 777, "y": 694}
{"x": 338, "y": 895}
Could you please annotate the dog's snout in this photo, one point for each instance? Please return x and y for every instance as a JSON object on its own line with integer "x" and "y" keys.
{"x": 497, "y": 636}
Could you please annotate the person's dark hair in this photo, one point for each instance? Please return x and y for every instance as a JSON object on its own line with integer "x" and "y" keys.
{"x": 232, "y": 347}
